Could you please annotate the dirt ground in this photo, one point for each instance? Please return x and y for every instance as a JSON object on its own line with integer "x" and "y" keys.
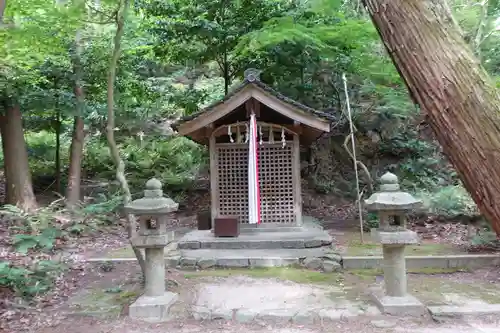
{"x": 124, "y": 325}
{"x": 99, "y": 302}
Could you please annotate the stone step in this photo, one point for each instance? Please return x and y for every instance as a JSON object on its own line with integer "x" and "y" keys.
{"x": 463, "y": 310}
{"x": 245, "y": 258}
{"x": 258, "y": 229}
{"x": 277, "y": 227}
{"x": 203, "y": 239}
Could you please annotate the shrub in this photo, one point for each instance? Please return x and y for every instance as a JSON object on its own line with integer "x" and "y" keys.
{"x": 37, "y": 231}
{"x": 29, "y": 282}
{"x": 449, "y": 202}
{"x": 371, "y": 221}
{"x": 176, "y": 161}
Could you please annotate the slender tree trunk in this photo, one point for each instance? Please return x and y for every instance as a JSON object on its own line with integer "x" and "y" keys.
{"x": 450, "y": 85}
{"x": 480, "y": 29}
{"x": 19, "y": 187}
{"x": 77, "y": 142}
{"x": 75, "y": 162}
{"x": 3, "y": 5}
{"x": 58, "y": 150}
{"x": 110, "y": 127}
{"x": 227, "y": 79}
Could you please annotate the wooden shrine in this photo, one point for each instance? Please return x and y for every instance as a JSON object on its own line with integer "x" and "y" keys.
{"x": 282, "y": 124}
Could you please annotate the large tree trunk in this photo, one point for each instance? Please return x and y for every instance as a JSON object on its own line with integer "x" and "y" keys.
{"x": 19, "y": 187}
{"x": 110, "y": 128}
{"x": 451, "y": 87}
{"x": 77, "y": 141}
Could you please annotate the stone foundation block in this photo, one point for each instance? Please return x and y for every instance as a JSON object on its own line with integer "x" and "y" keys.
{"x": 206, "y": 263}
{"x": 273, "y": 262}
{"x": 188, "y": 262}
{"x": 312, "y": 263}
{"x": 305, "y": 317}
{"x": 201, "y": 313}
{"x": 189, "y": 245}
{"x": 245, "y": 315}
{"x": 317, "y": 242}
{"x": 230, "y": 263}
{"x": 330, "y": 266}
{"x": 225, "y": 314}
{"x": 172, "y": 261}
{"x": 407, "y": 305}
{"x": 152, "y": 309}
{"x": 455, "y": 311}
{"x": 278, "y": 315}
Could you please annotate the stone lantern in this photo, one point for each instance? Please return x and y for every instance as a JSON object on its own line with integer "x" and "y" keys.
{"x": 152, "y": 212}
{"x": 392, "y": 206}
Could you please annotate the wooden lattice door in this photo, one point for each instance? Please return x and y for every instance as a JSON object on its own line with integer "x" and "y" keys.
{"x": 275, "y": 179}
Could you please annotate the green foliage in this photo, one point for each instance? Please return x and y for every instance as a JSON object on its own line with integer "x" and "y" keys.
{"x": 204, "y": 31}
{"x": 44, "y": 240}
{"x": 175, "y": 161}
{"x": 449, "y": 202}
{"x": 29, "y": 282}
{"x": 371, "y": 221}
{"x": 485, "y": 238}
{"x": 180, "y": 55}
{"x": 38, "y": 229}
{"x": 39, "y": 32}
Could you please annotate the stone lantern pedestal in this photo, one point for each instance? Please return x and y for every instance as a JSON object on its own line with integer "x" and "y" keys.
{"x": 392, "y": 205}
{"x": 152, "y": 211}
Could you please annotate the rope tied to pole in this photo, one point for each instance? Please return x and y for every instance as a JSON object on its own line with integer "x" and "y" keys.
{"x": 355, "y": 161}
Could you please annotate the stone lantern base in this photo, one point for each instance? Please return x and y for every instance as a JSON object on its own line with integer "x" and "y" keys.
{"x": 406, "y": 305}
{"x": 152, "y": 308}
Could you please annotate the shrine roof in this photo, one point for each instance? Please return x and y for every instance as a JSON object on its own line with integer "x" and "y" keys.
{"x": 252, "y": 80}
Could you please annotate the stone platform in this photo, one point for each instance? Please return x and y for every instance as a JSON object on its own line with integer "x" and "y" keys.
{"x": 304, "y": 237}
{"x": 269, "y": 246}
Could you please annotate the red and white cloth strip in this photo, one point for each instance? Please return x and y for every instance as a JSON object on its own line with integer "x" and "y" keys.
{"x": 253, "y": 175}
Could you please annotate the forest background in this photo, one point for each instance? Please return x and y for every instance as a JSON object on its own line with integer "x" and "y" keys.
{"x": 80, "y": 79}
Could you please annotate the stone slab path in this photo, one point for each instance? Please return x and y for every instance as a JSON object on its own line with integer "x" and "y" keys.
{"x": 245, "y": 299}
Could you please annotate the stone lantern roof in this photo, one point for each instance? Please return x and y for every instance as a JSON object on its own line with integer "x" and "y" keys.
{"x": 153, "y": 202}
{"x": 390, "y": 197}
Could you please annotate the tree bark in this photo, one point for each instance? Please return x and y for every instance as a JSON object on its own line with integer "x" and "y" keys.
{"x": 19, "y": 187}
{"x": 77, "y": 141}
{"x": 75, "y": 162}
{"x": 3, "y": 5}
{"x": 110, "y": 127}
{"x": 57, "y": 127}
{"x": 450, "y": 85}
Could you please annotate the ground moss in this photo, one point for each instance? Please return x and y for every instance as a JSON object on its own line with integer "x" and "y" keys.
{"x": 124, "y": 252}
{"x": 104, "y": 302}
{"x": 356, "y": 248}
{"x": 299, "y": 275}
{"x": 432, "y": 290}
{"x": 352, "y": 246}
